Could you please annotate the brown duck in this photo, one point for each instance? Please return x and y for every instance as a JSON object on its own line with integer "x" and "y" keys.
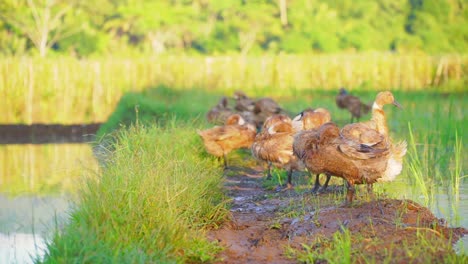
{"x": 360, "y": 159}
{"x": 274, "y": 145}
{"x": 310, "y": 120}
{"x": 352, "y": 103}
{"x": 243, "y": 102}
{"x": 235, "y": 134}
{"x": 220, "y": 112}
{"x": 264, "y": 108}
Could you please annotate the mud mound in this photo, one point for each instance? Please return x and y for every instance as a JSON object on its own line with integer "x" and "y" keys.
{"x": 296, "y": 226}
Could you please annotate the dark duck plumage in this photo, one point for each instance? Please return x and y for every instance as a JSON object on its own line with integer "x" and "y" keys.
{"x": 352, "y": 103}
{"x": 220, "y": 112}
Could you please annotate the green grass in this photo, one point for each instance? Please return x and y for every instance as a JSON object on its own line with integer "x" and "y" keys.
{"x": 150, "y": 204}
{"x": 69, "y": 90}
{"x": 160, "y": 190}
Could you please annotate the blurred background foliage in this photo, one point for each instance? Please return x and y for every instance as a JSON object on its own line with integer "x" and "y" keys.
{"x": 212, "y": 27}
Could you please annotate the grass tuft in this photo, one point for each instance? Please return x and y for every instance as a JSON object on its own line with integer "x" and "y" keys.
{"x": 152, "y": 202}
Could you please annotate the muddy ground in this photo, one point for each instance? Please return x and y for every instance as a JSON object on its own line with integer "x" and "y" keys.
{"x": 270, "y": 226}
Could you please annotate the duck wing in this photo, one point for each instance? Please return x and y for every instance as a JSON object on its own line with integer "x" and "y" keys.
{"x": 362, "y": 134}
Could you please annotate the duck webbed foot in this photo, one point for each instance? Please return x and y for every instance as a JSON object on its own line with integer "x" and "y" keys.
{"x": 349, "y": 194}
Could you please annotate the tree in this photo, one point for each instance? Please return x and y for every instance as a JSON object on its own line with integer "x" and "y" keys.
{"x": 44, "y": 22}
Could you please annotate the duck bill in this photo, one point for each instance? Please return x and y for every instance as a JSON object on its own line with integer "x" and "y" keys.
{"x": 395, "y": 103}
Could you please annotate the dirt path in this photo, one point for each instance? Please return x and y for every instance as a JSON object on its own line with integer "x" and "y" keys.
{"x": 271, "y": 227}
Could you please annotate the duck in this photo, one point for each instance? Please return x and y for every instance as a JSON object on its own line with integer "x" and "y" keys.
{"x": 274, "y": 145}
{"x": 264, "y": 108}
{"x": 309, "y": 120}
{"x": 220, "y": 112}
{"x": 256, "y": 111}
{"x": 359, "y": 156}
{"x": 243, "y": 102}
{"x": 236, "y": 133}
{"x": 352, "y": 103}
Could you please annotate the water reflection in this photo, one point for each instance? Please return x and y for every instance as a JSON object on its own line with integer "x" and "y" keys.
{"x": 43, "y": 169}
{"x": 35, "y": 181}
{"x": 442, "y": 202}
{"x": 25, "y": 224}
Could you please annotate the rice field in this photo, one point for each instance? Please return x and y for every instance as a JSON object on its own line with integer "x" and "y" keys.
{"x": 66, "y": 90}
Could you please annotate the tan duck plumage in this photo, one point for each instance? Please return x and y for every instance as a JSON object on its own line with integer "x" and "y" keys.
{"x": 274, "y": 145}
{"x": 235, "y": 134}
{"x": 357, "y": 154}
{"x": 310, "y": 120}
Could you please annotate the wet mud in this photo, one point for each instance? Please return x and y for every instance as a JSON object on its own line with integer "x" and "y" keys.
{"x": 267, "y": 226}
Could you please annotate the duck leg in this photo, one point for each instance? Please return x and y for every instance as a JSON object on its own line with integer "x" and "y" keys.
{"x": 269, "y": 171}
{"x": 350, "y": 193}
{"x": 289, "y": 184}
{"x": 325, "y": 185}
{"x": 317, "y": 183}
{"x": 225, "y": 161}
{"x": 370, "y": 190}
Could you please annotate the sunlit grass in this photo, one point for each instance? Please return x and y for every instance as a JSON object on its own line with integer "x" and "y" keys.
{"x": 50, "y": 91}
{"x": 150, "y": 204}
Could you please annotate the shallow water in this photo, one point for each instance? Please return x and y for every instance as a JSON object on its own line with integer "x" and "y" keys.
{"x": 35, "y": 181}
{"x": 25, "y": 224}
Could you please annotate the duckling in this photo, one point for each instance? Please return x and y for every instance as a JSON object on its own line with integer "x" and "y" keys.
{"x": 235, "y": 134}
{"x": 352, "y": 103}
{"x": 310, "y": 120}
{"x": 243, "y": 102}
{"x": 274, "y": 145}
{"x": 362, "y": 158}
{"x": 220, "y": 112}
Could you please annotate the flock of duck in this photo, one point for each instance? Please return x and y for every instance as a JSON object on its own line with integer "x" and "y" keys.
{"x": 360, "y": 153}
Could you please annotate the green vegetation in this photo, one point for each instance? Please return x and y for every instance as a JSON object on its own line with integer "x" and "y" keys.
{"x": 160, "y": 190}
{"x": 231, "y": 26}
{"x": 67, "y": 90}
{"x": 150, "y": 204}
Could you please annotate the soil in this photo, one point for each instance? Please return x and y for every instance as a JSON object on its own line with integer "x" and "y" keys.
{"x": 270, "y": 226}
{"x": 47, "y": 133}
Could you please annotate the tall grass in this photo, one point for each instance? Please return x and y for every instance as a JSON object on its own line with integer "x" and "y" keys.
{"x": 67, "y": 90}
{"x": 150, "y": 203}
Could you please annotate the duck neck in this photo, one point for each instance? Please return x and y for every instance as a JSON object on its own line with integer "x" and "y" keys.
{"x": 379, "y": 119}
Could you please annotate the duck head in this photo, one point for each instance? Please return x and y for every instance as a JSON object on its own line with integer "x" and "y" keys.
{"x": 343, "y": 91}
{"x": 384, "y": 98}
